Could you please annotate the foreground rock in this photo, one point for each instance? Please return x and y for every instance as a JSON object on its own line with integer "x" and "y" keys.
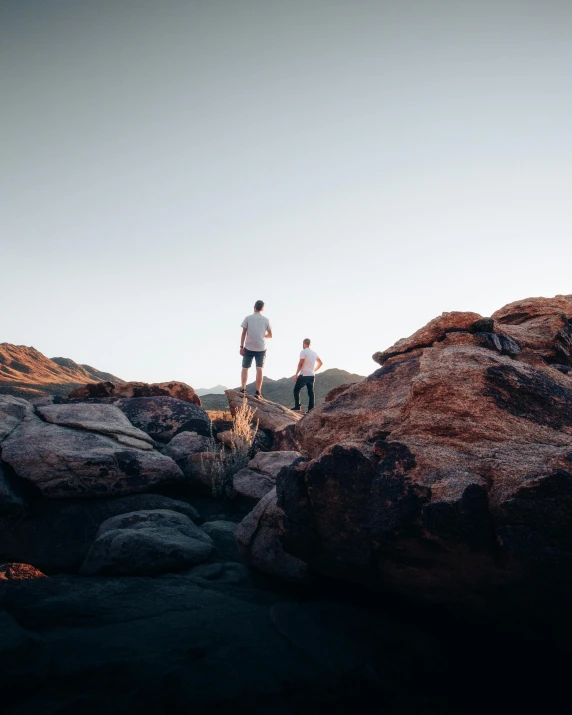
{"x": 259, "y": 542}
{"x": 146, "y": 543}
{"x": 162, "y": 418}
{"x": 56, "y": 535}
{"x": 13, "y": 411}
{"x": 64, "y": 462}
{"x": 12, "y": 499}
{"x": 178, "y": 390}
{"x": 270, "y": 415}
{"x": 259, "y": 477}
{"x": 447, "y": 474}
{"x": 105, "y": 419}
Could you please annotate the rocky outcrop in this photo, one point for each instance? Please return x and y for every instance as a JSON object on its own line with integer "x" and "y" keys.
{"x": 13, "y": 411}
{"x": 270, "y": 415}
{"x": 55, "y": 535}
{"x": 447, "y": 474}
{"x": 64, "y": 462}
{"x": 259, "y": 542}
{"x": 162, "y": 418}
{"x": 146, "y": 543}
{"x": 259, "y": 477}
{"x": 105, "y": 419}
{"x": 178, "y": 390}
{"x": 11, "y": 497}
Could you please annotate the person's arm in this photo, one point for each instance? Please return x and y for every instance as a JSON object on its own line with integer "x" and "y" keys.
{"x": 300, "y": 366}
{"x": 319, "y": 364}
{"x": 268, "y": 333}
{"x": 242, "y": 339}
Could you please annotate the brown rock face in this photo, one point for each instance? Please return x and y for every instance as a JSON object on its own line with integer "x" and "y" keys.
{"x": 178, "y": 390}
{"x": 270, "y": 415}
{"x": 448, "y": 472}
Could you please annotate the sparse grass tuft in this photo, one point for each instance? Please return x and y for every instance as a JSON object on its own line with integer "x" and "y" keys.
{"x": 230, "y": 461}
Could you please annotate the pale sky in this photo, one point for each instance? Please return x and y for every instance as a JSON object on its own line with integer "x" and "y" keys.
{"x": 359, "y": 165}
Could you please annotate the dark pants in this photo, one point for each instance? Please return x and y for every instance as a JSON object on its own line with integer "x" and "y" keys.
{"x": 308, "y": 382}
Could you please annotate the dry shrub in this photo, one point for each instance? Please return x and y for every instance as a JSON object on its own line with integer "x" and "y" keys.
{"x": 229, "y": 462}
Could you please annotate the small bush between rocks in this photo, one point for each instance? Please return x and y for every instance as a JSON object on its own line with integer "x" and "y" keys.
{"x": 230, "y": 461}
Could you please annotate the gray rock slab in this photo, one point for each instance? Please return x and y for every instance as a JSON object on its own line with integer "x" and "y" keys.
{"x": 64, "y": 462}
{"x": 270, "y": 463}
{"x": 251, "y": 484}
{"x": 13, "y": 411}
{"x": 105, "y": 419}
{"x": 222, "y": 533}
{"x": 146, "y": 543}
{"x": 186, "y": 443}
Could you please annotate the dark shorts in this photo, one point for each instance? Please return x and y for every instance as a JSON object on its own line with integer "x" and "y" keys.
{"x": 258, "y": 355}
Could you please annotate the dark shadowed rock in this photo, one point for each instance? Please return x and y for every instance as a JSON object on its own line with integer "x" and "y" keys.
{"x": 164, "y": 417}
{"x": 270, "y": 463}
{"x": 259, "y": 477}
{"x": 12, "y": 498}
{"x": 64, "y": 462}
{"x": 105, "y": 419}
{"x": 258, "y": 539}
{"x": 55, "y": 535}
{"x": 222, "y": 533}
{"x": 146, "y": 543}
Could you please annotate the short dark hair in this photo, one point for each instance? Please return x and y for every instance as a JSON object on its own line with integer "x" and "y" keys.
{"x": 307, "y": 340}
{"x": 259, "y": 305}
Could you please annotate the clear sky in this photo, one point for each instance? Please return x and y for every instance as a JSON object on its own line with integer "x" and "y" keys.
{"x": 360, "y": 165}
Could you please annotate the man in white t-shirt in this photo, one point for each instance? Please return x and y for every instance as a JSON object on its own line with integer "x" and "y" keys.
{"x": 255, "y": 329}
{"x": 308, "y": 366}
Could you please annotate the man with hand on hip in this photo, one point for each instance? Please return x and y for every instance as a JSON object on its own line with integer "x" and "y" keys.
{"x": 308, "y": 365}
{"x": 255, "y": 329}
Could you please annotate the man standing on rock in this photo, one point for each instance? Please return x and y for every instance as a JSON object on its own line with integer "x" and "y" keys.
{"x": 255, "y": 329}
{"x": 308, "y": 366}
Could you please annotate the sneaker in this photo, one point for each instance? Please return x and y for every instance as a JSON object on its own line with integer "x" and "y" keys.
{"x": 259, "y": 395}
{"x": 242, "y": 391}
{"x": 296, "y": 409}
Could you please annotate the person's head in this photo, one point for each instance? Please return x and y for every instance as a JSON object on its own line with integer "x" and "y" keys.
{"x": 307, "y": 342}
{"x": 258, "y": 306}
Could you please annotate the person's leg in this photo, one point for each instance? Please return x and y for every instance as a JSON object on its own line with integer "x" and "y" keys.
{"x": 297, "y": 387}
{"x": 310, "y": 386}
{"x": 246, "y": 363}
{"x": 260, "y": 358}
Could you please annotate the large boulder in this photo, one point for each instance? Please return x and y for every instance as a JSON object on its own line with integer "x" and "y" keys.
{"x": 178, "y": 390}
{"x": 105, "y": 419}
{"x": 64, "y": 462}
{"x": 162, "y": 418}
{"x": 55, "y": 535}
{"x": 259, "y": 543}
{"x": 270, "y": 415}
{"x": 447, "y": 474}
{"x": 146, "y": 543}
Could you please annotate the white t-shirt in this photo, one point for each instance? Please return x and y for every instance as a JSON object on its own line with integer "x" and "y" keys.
{"x": 309, "y": 357}
{"x": 256, "y": 326}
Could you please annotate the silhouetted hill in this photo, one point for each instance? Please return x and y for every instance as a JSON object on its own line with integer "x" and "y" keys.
{"x": 281, "y": 390}
{"x": 26, "y": 372}
{"x": 216, "y": 390}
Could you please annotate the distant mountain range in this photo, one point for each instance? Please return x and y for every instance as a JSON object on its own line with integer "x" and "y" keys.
{"x": 281, "y": 390}
{"x": 25, "y": 372}
{"x": 216, "y": 390}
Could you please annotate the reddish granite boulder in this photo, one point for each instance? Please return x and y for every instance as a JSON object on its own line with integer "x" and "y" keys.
{"x": 19, "y": 572}
{"x": 447, "y": 473}
{"x": 178, "y": 390}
